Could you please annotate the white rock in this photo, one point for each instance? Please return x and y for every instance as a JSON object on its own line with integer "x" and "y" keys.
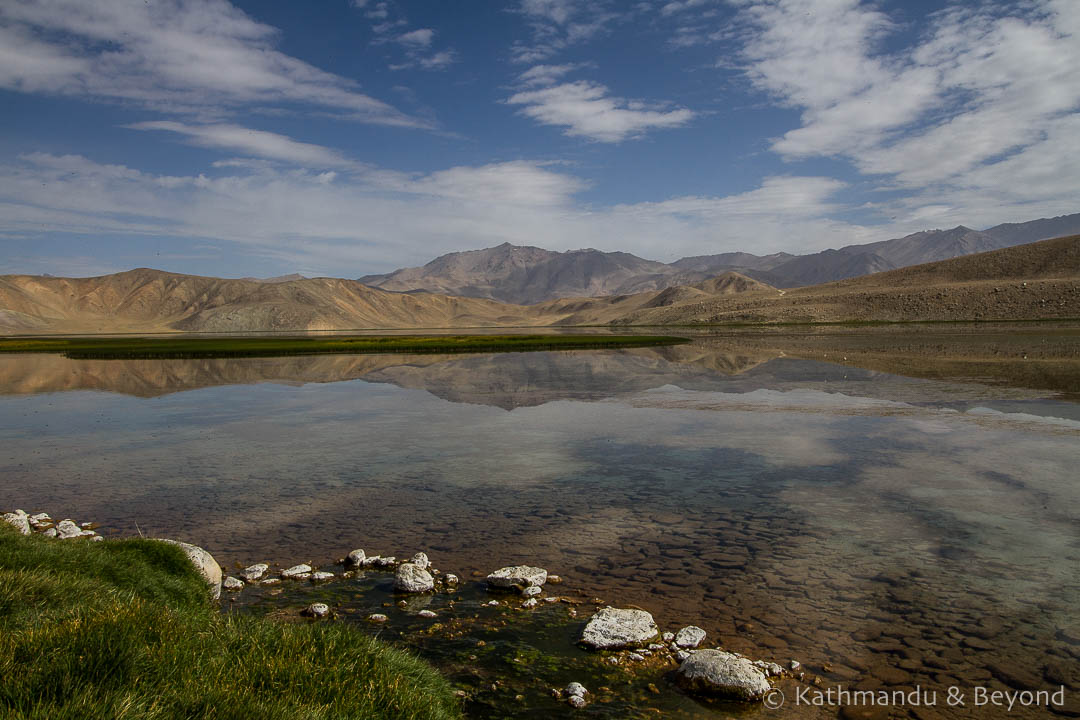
{"x": 681, "y": 655}
{"x": 370, "y": 561}
{"x": 97, "y": 538}
{"x": 722, "y": 673}
{"x": 271, "y": 581}
{"x": 321, "y": 576}
{"x": 204, "y": 562}
{"x": 613, "y": 628}
{"x": 668, "y": 636}
{"x": 254, "y": 572}
{"x": 794, "y": 665}
{"x": 492, "y": 603}
{"x": 317, "y": 610}
{"x": 411, "y": 578}
{"x": 85, "y": 525}
{"x": 66, "y": 529}
{"x": 531, "y": 602}
{"x": 377, "y": 617}
{"x": 531, "y": 591}
{"x": 770, "y": 669}
{"x": 233, "y": 584}
{"x": 637, "y": 657}
{"x": 689, "y": 637}
{"x": 355, "y": 558}
{"x": 517, "y": 576}
{"x": 576, "y": 688}
{"x": 50, "y": 533}
{"x": 655, "y": 646}
{"x": 421, "y": 560}
{"x": 576, "y": 701}
{"x": 451, "y": 579}
{"x": 20, "y": 520}
{"x": 296, "y": 571}
{"x": 385, "y": 561}
{"x": 426, "y": 614}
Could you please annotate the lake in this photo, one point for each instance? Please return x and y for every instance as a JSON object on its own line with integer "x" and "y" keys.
{"x": 894, "y": 508}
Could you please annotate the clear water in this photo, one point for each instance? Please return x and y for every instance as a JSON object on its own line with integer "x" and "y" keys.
{"x": 892, "y": 529}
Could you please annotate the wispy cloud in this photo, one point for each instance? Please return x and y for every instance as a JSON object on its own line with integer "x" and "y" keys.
{"x": 191, "y": 56}
{"x": 988, "y": 94}
{"x": 587, "y": 110}
{"x": 374, "y": 218}
{"x": 545, "y": 74}
{"x": 558, "y": 24}
{"x": 259, "y": 143}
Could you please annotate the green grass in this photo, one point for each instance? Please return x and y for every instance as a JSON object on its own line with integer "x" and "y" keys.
{"x": 202, "y": 347}
{"x": 125, "y": 629}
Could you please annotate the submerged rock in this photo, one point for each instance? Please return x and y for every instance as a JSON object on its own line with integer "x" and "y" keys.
{"x": 411, "y": 578}
{"x": 255, "y": 572}
{"x": 321, "y": 576}
{"x": 317, "y": 610}
{"x": 614, "y": 628}
{"x": 303, "y": 569}
{"x": 20, "y": 520}
{"x": 233, "y": 584}
{"x": 377, "y": 617}
{"x": 689, "y": 637}
{"x": 576, "y": 701}
{"x": 517, "y": 577}
{"x": 716, "y": 672}
{"x": 531, "y": 591}
{"x": 204, "y": 562}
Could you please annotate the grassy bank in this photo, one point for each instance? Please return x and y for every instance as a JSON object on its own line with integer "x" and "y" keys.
{"x": 124, "y": 629}
{"x": 216, "y": 347}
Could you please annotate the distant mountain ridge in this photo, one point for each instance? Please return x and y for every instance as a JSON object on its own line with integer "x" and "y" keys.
{"x": 528, "y": 275}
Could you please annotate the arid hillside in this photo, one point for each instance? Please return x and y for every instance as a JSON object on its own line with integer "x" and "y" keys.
{"x": 154, "y": 301}
{"x": 1039, "y": 280}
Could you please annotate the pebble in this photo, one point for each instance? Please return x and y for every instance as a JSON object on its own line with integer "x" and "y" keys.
{"x": 531, "y": 602}
{"x": 254, "y": 572}
{"x": 271, "y": 581}
{"x": 451, "y": 579}
{"x": 531, "y": 591}
{"x": 689, "y": 637}
{"x": 233, "y": 584}
{"x": 297, "y": 571}
{"x": 426, "y": 614}
{"x": 321, "y": 576}
{"x": 668, "y": 636}
{"x": 637, "y": 657}
{"x": 377, "y": 617}
{"x": 576, "y": 701}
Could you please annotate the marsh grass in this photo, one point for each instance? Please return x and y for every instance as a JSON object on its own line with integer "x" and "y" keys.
{"x": 219, "y": 347}
{"x": 124, "y": 629}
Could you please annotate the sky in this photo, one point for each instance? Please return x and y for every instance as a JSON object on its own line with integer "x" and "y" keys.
{"x": 347, "y": 137}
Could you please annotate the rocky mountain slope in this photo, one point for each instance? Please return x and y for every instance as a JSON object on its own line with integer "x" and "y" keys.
{"x": 527, "y": 275}
{"x": 1037, "y": 280}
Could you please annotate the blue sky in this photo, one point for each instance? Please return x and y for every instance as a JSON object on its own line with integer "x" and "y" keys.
{"x": 346, "y": 137}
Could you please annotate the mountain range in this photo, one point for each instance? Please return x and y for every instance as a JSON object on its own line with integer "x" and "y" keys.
{"x": 527, "y": 275}
{"x": 1035, "y": 280}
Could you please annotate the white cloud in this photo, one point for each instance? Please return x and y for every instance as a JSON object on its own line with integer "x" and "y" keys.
{"x": 987, "y": 94}
{"x": 558, "y": 24}
{"x": 200, "y": 56}
{"x": 371, "y": 219}
{"x": 417, "y": 38}
{"x": 254, "y": 142}
{"x": 544, "y": 74}
{"x": 675, "y": 7}
{"x": 586, "y": 110}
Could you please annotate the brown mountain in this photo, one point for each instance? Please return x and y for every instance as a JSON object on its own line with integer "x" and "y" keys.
{"x": 527, "y": 275}
{"x": 1038, "y": 280}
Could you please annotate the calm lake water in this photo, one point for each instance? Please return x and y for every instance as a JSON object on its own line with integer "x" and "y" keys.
{"x": 893, "y": 509}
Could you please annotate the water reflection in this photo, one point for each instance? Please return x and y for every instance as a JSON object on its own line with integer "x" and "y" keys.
{"x": 884, "y": 529}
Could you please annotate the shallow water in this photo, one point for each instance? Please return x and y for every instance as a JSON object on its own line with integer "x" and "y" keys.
{"x": 891, "y": 509}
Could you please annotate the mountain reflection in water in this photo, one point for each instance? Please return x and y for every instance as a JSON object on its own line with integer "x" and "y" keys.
{"x": 895, "y": 506}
